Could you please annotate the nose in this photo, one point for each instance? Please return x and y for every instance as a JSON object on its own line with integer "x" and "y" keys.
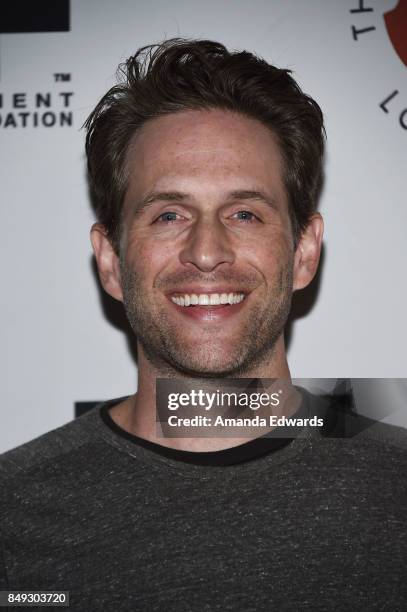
{"x": 207, "y": 246}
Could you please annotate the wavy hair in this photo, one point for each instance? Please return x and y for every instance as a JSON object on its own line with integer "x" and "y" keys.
{"x": 181, "y": 74}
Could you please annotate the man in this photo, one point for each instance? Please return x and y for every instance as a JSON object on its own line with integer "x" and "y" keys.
{"x": 205, "y": 167}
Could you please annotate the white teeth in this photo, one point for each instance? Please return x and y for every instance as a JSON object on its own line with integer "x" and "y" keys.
{"x": 208, "y": 299}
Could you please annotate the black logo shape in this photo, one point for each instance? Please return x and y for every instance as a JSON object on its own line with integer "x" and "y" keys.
{"x": 82, "y": 407}
{"x": 18, "y": 16}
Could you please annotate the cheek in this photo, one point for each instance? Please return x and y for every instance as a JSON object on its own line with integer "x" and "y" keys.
{"x": 270, "y": 256}
{"x": 149, "y": 258}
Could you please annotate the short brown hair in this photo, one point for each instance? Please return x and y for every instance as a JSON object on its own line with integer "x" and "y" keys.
{"x": 181, "y": 74}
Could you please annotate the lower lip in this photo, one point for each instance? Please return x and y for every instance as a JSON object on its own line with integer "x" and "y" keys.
{"x": 209, "y": 313}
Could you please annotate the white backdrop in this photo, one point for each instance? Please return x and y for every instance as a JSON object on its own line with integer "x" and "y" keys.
{"x": 58, "y": 347}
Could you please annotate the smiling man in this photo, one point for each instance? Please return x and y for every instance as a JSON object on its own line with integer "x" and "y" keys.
{"x": 213, "y": 225}
{"x": 207, "y": 246}
{"x": 205, "y": 167}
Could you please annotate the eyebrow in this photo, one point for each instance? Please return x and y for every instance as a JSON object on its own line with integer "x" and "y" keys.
{"x": 178, "y": 196}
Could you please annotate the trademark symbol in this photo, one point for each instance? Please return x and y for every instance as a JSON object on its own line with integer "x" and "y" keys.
{"x": 62, "y": 76}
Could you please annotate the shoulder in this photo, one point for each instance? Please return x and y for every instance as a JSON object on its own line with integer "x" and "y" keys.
{"x": 350, "y": 442}
{"x": 383, "y": 447}
{"x": 372, "y": 447}
{"x": 342, "y": 422}
{"x": 376, "y": 435}
{"x": 49, "y": 448}
{"x": 385, "y": 435}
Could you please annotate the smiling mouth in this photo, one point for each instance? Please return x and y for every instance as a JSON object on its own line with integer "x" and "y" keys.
{"x": 207, "y": 299}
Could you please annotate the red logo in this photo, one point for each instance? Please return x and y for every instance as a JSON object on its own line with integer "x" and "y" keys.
{"x": 396, "y": 24}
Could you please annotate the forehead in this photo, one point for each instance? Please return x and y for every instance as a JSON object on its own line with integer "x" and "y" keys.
{"x": 203, "y": 148}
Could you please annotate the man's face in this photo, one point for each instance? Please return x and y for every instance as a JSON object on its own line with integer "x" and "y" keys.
{"x": 206, "y": 219}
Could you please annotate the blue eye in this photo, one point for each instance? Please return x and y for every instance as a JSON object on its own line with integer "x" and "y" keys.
{"x": 167, "y": 217}
{"x": 246, "y": 215}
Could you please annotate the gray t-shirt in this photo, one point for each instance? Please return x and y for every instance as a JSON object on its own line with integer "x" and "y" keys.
{"x": 318, "y": 524}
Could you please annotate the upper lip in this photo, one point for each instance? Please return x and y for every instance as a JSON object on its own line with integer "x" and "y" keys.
{"x": 206, "y": 290}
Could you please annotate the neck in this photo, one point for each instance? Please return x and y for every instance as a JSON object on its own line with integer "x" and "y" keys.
{"x": 137, "y": 414}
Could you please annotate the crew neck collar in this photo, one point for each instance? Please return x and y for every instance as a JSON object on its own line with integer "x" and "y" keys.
{"x": 247, "y": 451}
{"x": 306, "y": 437}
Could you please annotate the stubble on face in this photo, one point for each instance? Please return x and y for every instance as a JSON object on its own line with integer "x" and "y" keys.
{"x": 161, "y": 338}
{"x": 208, "y": 155}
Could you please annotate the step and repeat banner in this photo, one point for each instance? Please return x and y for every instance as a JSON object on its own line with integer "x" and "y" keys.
{"x": 64, "y": 343}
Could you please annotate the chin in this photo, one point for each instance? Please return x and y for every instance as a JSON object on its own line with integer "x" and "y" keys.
{"x": 214, "y": 366}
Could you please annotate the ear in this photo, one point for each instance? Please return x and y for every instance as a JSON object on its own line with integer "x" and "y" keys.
{"x": 308, "y": 252}
{"x": 107, "y": 261}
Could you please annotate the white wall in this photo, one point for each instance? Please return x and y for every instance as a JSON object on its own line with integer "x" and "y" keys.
{"x": 57, "y": 345}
